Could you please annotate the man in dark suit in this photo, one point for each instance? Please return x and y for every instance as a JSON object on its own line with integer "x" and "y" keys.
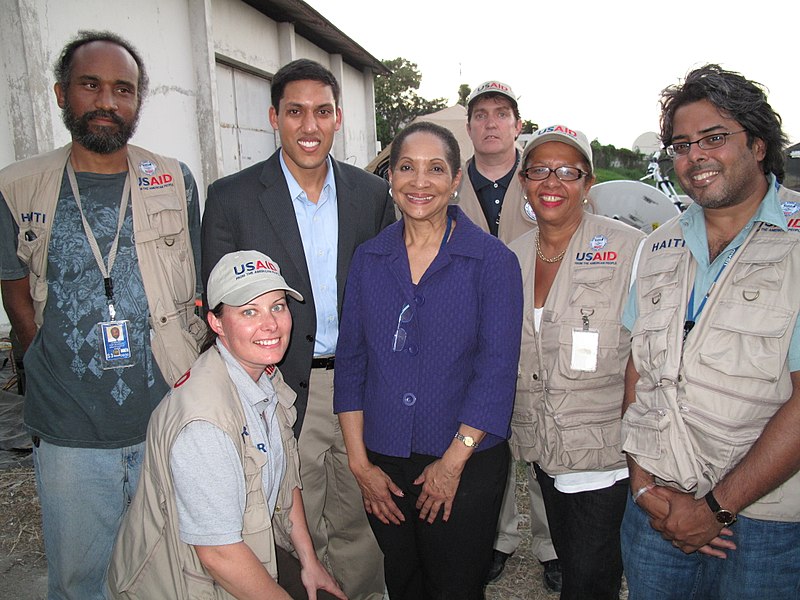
{"x": 309, "y": 212}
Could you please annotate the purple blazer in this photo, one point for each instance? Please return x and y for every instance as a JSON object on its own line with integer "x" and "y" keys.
{"x": 458, "y": 363}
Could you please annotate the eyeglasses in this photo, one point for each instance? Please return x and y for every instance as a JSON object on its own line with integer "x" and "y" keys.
{"x": 709, "y": 142}
{"x": 399, "y": 339}
{"x": 563, "y": 173}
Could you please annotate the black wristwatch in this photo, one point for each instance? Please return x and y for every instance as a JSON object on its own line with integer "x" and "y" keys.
{"x": 722, "y": 515}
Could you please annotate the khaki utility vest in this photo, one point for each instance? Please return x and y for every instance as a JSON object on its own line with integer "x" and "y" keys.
{"x": 149, "y": 560}
{"x": 700, "y": 406}
{"x": 514, "y": 220}
{"x": 568, "y": 420}
{"x": 163, "y": 248}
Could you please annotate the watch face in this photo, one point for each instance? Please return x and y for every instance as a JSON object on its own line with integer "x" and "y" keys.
{"x": 468, "y": 441}
{"x": 725, "y": 517}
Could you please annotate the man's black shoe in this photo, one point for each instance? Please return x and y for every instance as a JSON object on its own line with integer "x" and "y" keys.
{"x": 552, "y": 575}
{"x": 498, "y": 564}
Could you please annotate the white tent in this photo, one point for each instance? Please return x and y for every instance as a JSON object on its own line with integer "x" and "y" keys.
{"x": 453, "y": 117}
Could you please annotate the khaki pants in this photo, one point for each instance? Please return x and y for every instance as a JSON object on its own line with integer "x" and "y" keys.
{"x": 508, "y": 537}
{"x": 334, "y": 506}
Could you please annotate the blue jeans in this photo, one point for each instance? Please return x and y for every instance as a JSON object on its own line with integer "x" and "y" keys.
{"x": 84, "y": 493}
{"x": 765, "y": 564}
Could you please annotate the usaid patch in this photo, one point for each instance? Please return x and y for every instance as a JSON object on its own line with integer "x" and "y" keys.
{"x": 148, "y": 167}
{"x": 151, "y": 181}
{"x": 790, "y": 208}
{"x": 598, "y": 242}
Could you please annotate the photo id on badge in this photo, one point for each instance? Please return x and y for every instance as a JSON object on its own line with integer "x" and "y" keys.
{"x": 115, "y": 347}
{"x": 585, "y": 343}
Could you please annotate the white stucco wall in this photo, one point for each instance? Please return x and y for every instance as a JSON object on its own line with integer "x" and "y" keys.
{"x": 179, "y": 41}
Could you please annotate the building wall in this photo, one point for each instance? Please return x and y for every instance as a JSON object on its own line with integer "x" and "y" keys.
{"x": 181, "y": 42}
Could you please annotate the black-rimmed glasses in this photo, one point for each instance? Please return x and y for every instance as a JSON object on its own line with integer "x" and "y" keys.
{"x": 399, "y": 338}
{"x": 563, "y": 173}
{"x": 708, "y": 142}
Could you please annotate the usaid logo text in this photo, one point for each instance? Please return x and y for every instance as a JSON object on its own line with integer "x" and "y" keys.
{"x": 605, "y": 257}
{"x": 155, "y": 181}
{"x": 558, "y": 129}
{"x": 255, "y": 266}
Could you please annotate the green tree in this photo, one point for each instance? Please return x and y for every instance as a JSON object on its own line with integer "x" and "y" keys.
{"x": 529, "y": 126}
{"x": 396, "y": 100}
{"x": 463, "y": 93}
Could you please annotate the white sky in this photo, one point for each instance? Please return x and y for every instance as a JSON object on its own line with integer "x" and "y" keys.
{"x": 594, "y": 66}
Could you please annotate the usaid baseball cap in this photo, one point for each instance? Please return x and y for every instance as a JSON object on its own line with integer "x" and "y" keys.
{"x": 493, "y": 87}
{"x": 239, "y": 277}
{"x": 560, "y": 133}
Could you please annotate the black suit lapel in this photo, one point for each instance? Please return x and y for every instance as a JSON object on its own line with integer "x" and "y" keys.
{"x": 347, "y": 203}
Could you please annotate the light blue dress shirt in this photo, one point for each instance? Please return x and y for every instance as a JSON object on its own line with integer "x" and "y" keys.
{"x": 319, "y": 230}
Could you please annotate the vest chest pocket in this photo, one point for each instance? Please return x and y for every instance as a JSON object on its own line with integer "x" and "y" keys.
{"x": 592, "y": 287}
{"x": 608, "y": 355}
{"x": 165, "y": 214}
{"x": 167, "y": 219}
{"x": 657, "y": 280}
{"x": 30, "y": 245}
{"x": 650, "y": 339}
{"x": 744, "y": 340}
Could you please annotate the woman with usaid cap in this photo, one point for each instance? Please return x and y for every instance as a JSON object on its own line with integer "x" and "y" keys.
{"x": 576, "y": 270}
{"x": 220, "y": 483}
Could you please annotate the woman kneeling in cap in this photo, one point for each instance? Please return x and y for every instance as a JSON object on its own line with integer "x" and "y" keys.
{"x": 218, "y": 508}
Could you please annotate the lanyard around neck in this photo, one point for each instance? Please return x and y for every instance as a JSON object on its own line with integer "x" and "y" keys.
{"x": 691, "y": 315}
{"x": 105, "y": 269}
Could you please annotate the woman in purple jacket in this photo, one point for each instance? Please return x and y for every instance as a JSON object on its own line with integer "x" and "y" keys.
{"x": 426, "y": 366}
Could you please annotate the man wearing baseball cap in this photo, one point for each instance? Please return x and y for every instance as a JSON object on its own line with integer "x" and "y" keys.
{"x": 492, "y": 197}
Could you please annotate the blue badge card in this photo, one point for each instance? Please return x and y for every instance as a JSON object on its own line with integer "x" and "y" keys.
{"x": 115, "y": 347}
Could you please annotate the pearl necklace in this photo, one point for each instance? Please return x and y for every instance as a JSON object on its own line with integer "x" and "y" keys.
{"x": 555, "y": 259}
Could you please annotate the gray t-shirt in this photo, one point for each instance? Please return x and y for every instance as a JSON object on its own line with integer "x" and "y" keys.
{"x": 70, "y": 400}
{"x": 206, "y": 469}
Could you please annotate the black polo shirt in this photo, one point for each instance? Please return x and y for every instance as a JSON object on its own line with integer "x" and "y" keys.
{"x": 491, "y": 193}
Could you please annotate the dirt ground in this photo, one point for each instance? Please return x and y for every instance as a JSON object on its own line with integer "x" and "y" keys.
{"x": 23, "y": 565}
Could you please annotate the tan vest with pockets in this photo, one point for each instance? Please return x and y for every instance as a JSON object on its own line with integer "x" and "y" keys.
{"x": 701, "y": 406}
{"x": 514, "y": 220}
{"x": 163, "y": 247}
{"x": 568, "y": 420}
{"x": 149, "y": 559}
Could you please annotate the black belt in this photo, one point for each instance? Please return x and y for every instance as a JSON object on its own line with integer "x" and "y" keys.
{"x": 323, "y": 362}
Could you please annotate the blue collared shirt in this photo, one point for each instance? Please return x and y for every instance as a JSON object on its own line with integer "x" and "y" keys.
{"x": 693, "y": 226}
{"x": 319, "y": 229}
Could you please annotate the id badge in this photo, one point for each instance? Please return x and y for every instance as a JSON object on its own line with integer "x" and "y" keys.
{"x": 115, "y": 347}
{"x": 585, "y": 343}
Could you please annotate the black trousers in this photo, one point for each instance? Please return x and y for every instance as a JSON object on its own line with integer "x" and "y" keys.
{"x": 585, "y": 528}
{"x": 443, "y": 560}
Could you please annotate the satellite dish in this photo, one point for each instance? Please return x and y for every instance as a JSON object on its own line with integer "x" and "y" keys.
{"x": 632, "y": 202}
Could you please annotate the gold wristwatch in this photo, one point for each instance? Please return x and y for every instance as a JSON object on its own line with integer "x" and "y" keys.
{"x": 467, "y": 440}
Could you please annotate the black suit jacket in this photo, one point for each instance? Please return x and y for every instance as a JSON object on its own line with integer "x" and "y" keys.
{"x": 252, "y": 210}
